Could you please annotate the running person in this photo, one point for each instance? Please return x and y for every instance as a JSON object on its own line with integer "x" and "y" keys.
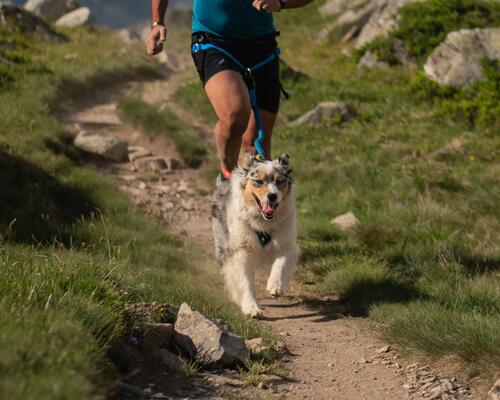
{"x": 244, "y": 28}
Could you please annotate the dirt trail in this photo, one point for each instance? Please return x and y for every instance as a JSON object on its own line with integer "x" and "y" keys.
{"x": 328, "y": 357}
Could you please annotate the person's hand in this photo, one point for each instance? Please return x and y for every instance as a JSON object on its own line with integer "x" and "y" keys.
{"x": 156, "y": 39}
{"x": 267, "y": 5}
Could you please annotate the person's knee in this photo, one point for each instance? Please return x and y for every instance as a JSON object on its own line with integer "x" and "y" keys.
{"x": 235, "y": 122}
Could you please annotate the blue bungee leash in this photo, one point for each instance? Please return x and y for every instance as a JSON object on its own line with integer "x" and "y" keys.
{"x": 250, "y": 80}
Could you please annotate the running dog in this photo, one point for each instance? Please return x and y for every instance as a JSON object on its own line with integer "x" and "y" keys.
{"x": 254, "y": 225}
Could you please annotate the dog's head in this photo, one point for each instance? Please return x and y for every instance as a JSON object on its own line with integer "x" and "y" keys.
{"x": 266, "y": 184}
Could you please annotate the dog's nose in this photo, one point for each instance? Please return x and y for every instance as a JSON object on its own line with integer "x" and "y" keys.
{"x": 272, "y": 197}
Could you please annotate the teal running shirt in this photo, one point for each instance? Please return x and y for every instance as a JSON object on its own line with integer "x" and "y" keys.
{"x": 231, "y": 19}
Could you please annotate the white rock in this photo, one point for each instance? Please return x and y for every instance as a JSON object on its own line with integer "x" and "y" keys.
{"x": 207, "y": 341}
{"x": 51, "y": 10}
{"x": 107, "y": 147}
{"x": 346, "y": 221}
{"x": 384, "y": 349}
{"x": 324, "y": 112}
{"x": 78, "y": 17}
{"x": 370, "y": 61}
{"x": 384, "y": 18}
{"x": 457, "y": 61}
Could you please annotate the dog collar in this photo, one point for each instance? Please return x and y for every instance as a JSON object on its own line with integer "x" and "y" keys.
{"x": 264, "y": 238}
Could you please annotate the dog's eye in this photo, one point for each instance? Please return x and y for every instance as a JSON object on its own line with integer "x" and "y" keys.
{"x": 258, "y": 182}
{"x": 280, "y": 182}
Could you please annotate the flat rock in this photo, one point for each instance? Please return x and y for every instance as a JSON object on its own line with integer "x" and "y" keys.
{"x": 206, "y": 340}
{"x": 107, "y": 147}
{"x": 383, "y": 349}
{"x": 28, "y": 23}
{"x": 345, "y": 221}
{"x": 457, "y": 61}
{"x": 78, "y": 17}
{"x": 51, "y": 10}
{"x": 326, "y": 112}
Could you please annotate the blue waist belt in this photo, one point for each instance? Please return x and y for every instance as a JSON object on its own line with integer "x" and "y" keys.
{"x": 247, "y": 73}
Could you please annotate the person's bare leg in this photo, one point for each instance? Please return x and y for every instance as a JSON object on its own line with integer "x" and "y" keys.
{"x": 268, "y": 120}
{"x": 228, "y": 94}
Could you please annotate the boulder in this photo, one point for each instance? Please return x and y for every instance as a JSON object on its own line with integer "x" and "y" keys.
{"x": 345, "y": 222}
{"x": 370, "y": 61}
{"x": 494, "y": 393}
{"x": 26, "y": 22}
{"x": 206, "y": 340}
{"x": 383, "y": 19}
{"x": 51, "y": 10}
{"x": 108, "y": 147}
{"x": 325, "y": 112}
{"x": 457, "y": 61}
{"x": 170, "y": 360}
{"x": 78, "y": 17}
{"x": 158, "y": 334}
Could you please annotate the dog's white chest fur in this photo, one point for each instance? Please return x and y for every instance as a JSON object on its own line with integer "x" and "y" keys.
{"x": 253, "y": 234}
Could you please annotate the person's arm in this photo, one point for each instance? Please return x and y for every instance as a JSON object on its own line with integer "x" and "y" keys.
{"x": 158, "y": 33}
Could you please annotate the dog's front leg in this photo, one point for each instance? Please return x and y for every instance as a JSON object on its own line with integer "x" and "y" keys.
{"x": 239, "y": 276}
{"x": 281, "y": 272}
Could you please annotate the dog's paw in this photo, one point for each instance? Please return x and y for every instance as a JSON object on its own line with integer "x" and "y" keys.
{"x": 253, "y": 311}
{"x": 275, "y": 290}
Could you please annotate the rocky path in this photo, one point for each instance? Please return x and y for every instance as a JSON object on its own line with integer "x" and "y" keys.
{"x": 329, "y": 356}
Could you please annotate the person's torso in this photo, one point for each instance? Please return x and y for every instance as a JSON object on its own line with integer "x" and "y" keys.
{"x": 232, "y": 19}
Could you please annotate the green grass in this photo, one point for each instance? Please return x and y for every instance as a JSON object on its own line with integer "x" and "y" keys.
{"x": 424, "y": 261}
{"x": 73, "y": 250}
{"x": 163, "y": 121}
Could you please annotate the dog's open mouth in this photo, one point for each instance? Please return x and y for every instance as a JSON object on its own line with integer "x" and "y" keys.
{"x": 267, "y": 209}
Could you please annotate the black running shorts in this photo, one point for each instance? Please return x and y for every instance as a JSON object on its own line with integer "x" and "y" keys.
{"x": 249, "y": 53}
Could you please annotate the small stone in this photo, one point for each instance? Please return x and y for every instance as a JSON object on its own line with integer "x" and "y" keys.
{"x": 135, "y": 152}
{"x": 345, "y": 222}
{"x": 78, "y": 17}
{"x": 363, "y": 360}
{"x": 151, "y": 164}
{"x": 384, "y": 349}
{"x": 159, "y": 395}
{"x": 142, "y": 185}
{"x": 326, "y": 111}
{"x": 188, "y": 205}
{"x": 147, "y": 391}
{"x": 262, "y": 385}
{"x": 183, "y": 187}
{"x": 207, "y": 341}
{"x": 107, "y": 147}
{"x": 256, "y": 345}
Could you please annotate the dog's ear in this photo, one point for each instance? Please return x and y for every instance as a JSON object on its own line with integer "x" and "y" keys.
{"x": 247, "y": 160}
{"x": 283, "y": 160}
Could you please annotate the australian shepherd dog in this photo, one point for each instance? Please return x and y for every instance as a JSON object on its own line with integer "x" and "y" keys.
{"x": 254, "y": 225}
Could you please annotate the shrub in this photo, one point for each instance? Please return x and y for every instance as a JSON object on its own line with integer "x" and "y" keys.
{"x": 425, "y": 25}
{"x": 478, "y": 103}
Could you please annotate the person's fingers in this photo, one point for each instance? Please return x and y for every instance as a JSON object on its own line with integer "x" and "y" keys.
{"x": 163, "y": 34}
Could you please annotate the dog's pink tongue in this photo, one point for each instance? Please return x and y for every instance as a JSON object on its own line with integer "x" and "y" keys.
{"x": 268, "y": 208}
